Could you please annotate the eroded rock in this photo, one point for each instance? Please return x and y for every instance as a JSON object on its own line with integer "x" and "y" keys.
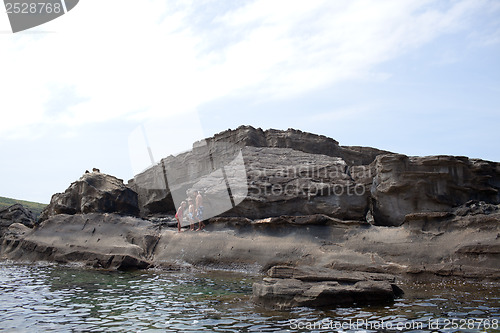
{"x": 321, "y": 287}
{"x": 99, "y": 240}
{"x": 93, "y": 193}
{"x": 296, "y": 210}
{"x": 295, "y": 173}
{"x": 406, "y": 185}
{"x": 16, "y": 213}
{"x": 275, "y": 181}
{"x": 247, "y": 136}
{"x": 284, "y": 181}
{"x": 285, "y": 172}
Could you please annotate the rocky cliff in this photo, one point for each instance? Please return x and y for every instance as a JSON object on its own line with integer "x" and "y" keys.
{"x": 16, "y": 213}
{"x": 253, "y": 173}
{"x": 288, "y": 151}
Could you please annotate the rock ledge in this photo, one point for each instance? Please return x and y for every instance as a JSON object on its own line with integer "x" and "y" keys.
{"x": 288, "y": 287}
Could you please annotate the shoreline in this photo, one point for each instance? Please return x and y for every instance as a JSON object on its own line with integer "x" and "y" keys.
{"x": 339, "y": 263}
{"x": 462, "y": 248}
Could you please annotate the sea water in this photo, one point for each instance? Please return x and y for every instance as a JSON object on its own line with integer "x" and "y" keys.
{"x": 57, "y": 298}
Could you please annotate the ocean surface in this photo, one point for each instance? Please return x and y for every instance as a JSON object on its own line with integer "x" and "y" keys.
{"x": 55, "y": 298}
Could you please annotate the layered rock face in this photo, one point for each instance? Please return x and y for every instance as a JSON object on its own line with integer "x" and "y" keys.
{"x": 283, "y": 181}
{"x": 463, "y": 243}
{"x": 257, "y": 174}
{"x": 93, "y": 192}
{"x": 315, "y": 211}
{"x": 16, "y": 213}
{"x": 247, "y": 136}
{"x": 405, "y": 185}
{"x": 288, "y": 286}
{"x": 88, "y": 223}
{"x": 100, "y": 240}
{"x": 291, "y": 164}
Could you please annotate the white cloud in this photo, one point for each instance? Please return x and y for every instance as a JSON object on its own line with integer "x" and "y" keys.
{"x": 134, "y": 59}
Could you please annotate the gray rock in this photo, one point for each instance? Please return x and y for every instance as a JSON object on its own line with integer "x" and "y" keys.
{"x": 463, "y": 246}
{"x": 93, "y": 192}
{"x": 16, "y": 213}
{"x": 247, "y": 136}
{"x": 321, "y": 287}
{"x": 99, "y": 240}
{"x": 443, "y": 211}
{"x": 276, "y": 181}
{"x": 295, "y": 173}
{"x": 475, "y": 207}
{"x": 315, "y": 274}
{"x": 283, "y": 181}
{"x": 310, "y": 168}
{"x": 405, "y": 185}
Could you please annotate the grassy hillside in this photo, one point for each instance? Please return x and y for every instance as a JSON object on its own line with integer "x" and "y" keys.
{"x": 35, "y": 207}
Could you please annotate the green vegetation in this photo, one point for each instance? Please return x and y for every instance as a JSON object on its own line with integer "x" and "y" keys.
{"x": 35, "y": 207}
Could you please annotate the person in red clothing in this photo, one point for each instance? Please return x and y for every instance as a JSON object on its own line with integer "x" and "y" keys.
{"x": 181, "y": 211}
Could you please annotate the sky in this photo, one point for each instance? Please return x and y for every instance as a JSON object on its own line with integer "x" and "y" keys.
{"x": 90, "y": 88}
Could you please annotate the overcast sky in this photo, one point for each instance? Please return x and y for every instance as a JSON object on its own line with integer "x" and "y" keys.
{"x": 418, "y": 77}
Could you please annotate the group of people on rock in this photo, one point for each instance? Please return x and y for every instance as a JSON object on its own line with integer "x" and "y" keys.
{"x": 191, "y": 210}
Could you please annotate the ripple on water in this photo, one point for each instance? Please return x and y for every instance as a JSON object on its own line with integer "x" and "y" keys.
{"x": 55, "y": 298}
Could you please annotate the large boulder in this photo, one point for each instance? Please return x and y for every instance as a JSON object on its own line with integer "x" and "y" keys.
{"x": 16, "y": 213}
{"x": 288, "y": 287}
{"x": 404, "y": 185}
{"x": 93, "y": 192}
{"x": 100, "y": 240}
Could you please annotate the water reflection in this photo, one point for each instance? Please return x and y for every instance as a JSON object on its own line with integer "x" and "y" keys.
{"x": 64, "y": 299}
